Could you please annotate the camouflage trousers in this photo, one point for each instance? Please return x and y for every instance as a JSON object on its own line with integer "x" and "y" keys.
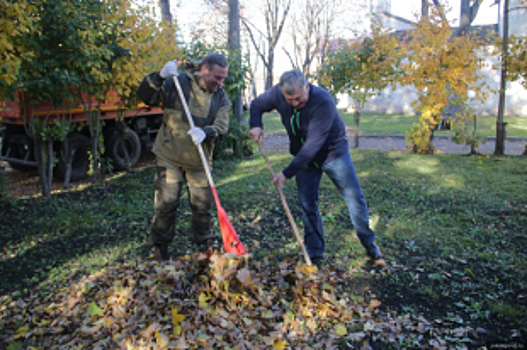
{"x": 169, "y": 182}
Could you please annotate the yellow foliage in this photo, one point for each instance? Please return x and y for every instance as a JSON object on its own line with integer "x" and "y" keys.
{"x": 443, "y": 69}
{"x": 13, "y": 24}
{"x": 150, "y": 45}
{"x": 517, "y": 59}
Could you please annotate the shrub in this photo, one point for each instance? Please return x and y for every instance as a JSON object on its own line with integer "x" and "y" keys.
{"x": 237, "y": 143}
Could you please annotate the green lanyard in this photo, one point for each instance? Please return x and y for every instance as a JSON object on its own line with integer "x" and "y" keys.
{"x": 296, "y": 115}
{"x": 295, "y": 119}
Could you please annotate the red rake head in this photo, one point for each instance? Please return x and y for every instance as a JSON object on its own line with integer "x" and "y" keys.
{"x": 231, "y": 241}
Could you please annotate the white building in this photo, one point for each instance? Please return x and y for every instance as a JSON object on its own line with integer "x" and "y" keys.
{"x": 399, "y": 101}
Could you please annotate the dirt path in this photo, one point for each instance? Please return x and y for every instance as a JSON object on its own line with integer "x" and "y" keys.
{"x": 27, "y": 184}
{"x": 280, "y": 143}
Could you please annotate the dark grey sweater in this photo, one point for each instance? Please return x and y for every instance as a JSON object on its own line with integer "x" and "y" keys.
{"x": 317, "y": 134}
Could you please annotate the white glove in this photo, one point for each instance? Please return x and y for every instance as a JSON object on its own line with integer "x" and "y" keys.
{"x": 169, "y": 69}
{"x": 197, "y": 135}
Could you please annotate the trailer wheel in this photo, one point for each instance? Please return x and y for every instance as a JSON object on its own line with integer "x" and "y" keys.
{"x": 18, "y": 145}
{"x": 116, "y": 152}
{"x": 79, "y": 145}
{"x": 16, "y": 152}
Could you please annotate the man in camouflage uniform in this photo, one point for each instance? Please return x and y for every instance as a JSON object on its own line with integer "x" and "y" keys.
{"x": 177, "y": 157}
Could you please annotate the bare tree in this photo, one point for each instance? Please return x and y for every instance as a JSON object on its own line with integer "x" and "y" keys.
{"x": 425, "y": 6}
{"x": 468, "y": 12}
{"x": 275, "y": 14}
{"x": 311, "y": 32}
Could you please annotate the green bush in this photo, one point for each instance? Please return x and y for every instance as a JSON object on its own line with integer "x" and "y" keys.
{"x": 237, "y": 143}
{"x": 3, "y": 185}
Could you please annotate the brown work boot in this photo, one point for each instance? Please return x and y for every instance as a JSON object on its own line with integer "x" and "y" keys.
{"x": 205, "y": 245}
{"x": 160, "y": 253}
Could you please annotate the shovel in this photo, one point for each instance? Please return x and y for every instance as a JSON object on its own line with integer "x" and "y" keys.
{"x": 286, "y": 207}
{"x": 231, "y": 241}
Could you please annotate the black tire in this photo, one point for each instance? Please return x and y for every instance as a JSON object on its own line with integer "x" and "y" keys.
{"x": 18, "y": 149}
{"x": 116, "y": 152}
{"x": 79, "y": 144}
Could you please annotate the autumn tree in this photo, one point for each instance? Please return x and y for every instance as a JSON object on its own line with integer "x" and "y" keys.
{"x": 443, "y": 68}
{"x": 360, "y": 69}
{"x": 127, "y": 45}
{"x": 74, "y": 53}
{"x": 46, "y": 73}
{"x": 14, "y": 24}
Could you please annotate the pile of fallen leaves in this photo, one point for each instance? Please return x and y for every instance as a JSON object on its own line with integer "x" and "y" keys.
{"x": 210, "y": 301}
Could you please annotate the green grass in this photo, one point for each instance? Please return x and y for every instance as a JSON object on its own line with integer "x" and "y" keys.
{"x": 375, "y": 124}
{"x": 452, "y": 229}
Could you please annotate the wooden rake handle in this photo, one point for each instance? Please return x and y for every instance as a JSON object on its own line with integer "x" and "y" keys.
{"x": 200, "y": 147}
{"x": 286, "y": 207}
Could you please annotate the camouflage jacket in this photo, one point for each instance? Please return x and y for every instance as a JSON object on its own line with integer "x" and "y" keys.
{"x": 210, "y": 111}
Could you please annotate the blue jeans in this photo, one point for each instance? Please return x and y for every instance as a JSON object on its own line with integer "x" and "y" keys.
{"x": 342, "y": 172}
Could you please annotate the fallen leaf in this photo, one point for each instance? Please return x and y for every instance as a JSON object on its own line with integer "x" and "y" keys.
{"x": 368, "y": 327}
{"x": 341, "y": 331}
{"x": 150, "y": 330}
{"x": 244, "y": 276}
{"x": 162, "y": 340}
{"x": 94, "y": 310}
{"x": 176, "y": 318}
{"x": 374, "y": 304}
{"x": 279, "y": 344}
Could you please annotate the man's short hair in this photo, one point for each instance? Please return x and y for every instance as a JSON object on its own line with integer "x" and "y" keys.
{"x": 215, "y": 59}
{"x": 291, "y": 80}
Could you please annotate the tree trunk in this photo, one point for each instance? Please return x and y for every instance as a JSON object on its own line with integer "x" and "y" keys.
{"x": 165, "y": 10}
{"x": 431, "y": 148}
{"x": 40, "y": 154}
{"x": 94, "y": 134}
{"x": 66, "y": 156}
{"x": 501, "y": 135}
{"x": 424, "y": 8}
{"x": 499, "y": 148}
{"x": 49, "y": 147}
{"x": 356, "y": 132}
{"x": 234, "y": 47}
{"x": 270, "y": 63}
{"x": 473, "y": 148}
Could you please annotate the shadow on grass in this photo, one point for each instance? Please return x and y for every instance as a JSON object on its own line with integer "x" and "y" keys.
{"x": 451, "y": 228}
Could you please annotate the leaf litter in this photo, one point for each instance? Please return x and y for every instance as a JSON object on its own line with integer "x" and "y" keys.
{"x": 216, "y": 301}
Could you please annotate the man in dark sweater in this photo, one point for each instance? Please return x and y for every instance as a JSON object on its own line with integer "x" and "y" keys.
{"x": 319, "y": 145}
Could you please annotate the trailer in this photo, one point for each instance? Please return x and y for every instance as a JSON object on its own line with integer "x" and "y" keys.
{"x": 126, "y": 134}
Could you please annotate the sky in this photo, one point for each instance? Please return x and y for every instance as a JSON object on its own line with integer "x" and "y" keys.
{"x": 188, "y": 12}
{"x": 487, "y": 14}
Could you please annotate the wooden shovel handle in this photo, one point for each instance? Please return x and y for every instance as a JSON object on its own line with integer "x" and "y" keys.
{"x": 286, "y": 207}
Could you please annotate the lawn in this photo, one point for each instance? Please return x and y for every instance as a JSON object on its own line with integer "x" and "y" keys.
{"x": 375, "y": 124}
{"x": 76, "y": 267}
